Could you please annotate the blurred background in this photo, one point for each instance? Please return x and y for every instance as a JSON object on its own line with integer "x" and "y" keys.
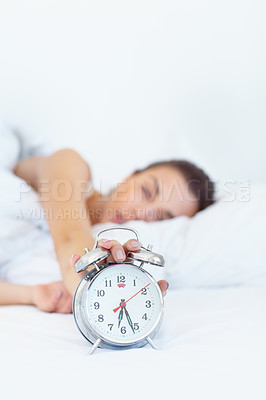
{"x": 130, "y": 82}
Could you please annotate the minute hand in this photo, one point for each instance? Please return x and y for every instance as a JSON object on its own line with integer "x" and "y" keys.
{"x": 129, "y": 320}
{"x": 117, "y": 308}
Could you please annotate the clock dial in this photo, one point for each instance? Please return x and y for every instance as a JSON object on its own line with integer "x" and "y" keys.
{"x": 123, "y": 303}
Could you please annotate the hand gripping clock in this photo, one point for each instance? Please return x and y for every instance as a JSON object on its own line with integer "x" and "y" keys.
{"x": 118, "y": 305}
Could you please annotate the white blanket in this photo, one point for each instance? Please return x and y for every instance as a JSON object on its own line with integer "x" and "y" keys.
{"x": 212, "y": 340}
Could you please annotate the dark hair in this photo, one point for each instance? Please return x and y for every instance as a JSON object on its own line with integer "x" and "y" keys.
{"x": 199, "y": 182}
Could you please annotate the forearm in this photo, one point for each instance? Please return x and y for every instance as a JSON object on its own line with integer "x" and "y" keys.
{"x": 11, "y": 293}
{"x": 77, "y": 241}
{"x": 65, "y": 207}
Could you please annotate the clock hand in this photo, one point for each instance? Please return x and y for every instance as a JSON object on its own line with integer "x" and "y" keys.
{"x": 117, "y": 308}
{"x": 129, "y": 320}
{"x": 120, "y": 316}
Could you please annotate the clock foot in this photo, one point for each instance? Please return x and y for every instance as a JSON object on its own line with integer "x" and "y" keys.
{"x": 153, "y": 345}
{"x": 94, "y": 347}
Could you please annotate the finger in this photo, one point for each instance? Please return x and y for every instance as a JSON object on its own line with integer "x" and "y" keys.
{"x": 74, "y": 259}
{"x": 163, "y": 286}
{"x": 131, "y": 245}
{"x": 105, "y": 243}
{"x": 117, "y": 251}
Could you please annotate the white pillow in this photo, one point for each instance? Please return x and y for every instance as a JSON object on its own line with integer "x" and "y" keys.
{"x": 225, "y": 244}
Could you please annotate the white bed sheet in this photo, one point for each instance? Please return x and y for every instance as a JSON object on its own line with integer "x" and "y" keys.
{"x": 212, "y": 346}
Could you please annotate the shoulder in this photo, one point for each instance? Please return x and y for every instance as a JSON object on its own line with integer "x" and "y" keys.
{"x": 69, "y": 160}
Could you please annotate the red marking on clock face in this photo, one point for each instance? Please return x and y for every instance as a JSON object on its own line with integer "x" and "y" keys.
{"x": 121, "y": 285}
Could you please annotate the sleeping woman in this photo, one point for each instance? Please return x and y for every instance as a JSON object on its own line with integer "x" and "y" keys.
{"x": 163, "y": 190}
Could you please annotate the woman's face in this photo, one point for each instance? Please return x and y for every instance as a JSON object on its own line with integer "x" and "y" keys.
{"x": 158, "y": 193}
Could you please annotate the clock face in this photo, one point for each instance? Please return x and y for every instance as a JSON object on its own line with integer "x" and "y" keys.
{"x": 123, "y": 304}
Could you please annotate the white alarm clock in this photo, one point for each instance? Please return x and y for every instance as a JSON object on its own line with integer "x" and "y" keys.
{"x": 118, "y": 305}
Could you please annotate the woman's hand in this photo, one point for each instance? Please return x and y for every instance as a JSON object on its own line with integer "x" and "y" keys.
{"x": 119, "y": 253}
{"x": 52, "y": 297}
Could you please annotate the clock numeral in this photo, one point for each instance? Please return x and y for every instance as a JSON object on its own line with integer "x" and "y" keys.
{"x": 144, "y": 291}
{"x": 100, "y": 293}
{"x": 111, "y": 326}
{"x": 148, "y": 303}
{"x": 144, "y": 316}
{"x": 136, "y": 326}
{"x": 121, "y": 279}
{"x": 134, "y": 282}
{"x": 108, "y": 283}
{"x": 96, "y": 305}
{"x": 100, "y": 318}
{"x": 123, "y": 330}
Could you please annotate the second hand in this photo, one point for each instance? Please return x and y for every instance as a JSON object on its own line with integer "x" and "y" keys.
{"x": 117, "y": 308}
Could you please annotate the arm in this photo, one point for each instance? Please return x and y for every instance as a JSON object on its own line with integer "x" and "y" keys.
{"x": 61, "y": 180}
{"x": 51, "y": 297}
{"x": 11, "y": 293}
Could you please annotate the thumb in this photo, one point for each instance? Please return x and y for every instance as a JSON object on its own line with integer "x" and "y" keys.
{"x": 74, "y": 259}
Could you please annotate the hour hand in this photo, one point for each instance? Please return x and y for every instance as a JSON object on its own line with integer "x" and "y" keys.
{"x": 120, "y": 316}
{"x": 129, "y": 320}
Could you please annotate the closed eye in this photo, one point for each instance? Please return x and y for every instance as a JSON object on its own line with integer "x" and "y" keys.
{"x": 146, "y": 192}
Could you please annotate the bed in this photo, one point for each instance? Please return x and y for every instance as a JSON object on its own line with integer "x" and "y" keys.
{"x": 212, "y": 346}
{"x": 212, "y": 340}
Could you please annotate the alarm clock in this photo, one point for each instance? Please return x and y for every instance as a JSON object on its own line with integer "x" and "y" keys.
{"x": 118, "y": 305}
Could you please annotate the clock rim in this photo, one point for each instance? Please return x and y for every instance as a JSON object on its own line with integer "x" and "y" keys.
{"x": 92, "y": 333}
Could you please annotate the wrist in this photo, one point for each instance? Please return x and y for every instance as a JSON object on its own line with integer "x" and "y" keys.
{"x": 25, "y": 295}
{"x": 72, "y": 279}
{"x": 34, "y": 294}
{"x": 78, "y": 239}
{"x": 75, "y": 244}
